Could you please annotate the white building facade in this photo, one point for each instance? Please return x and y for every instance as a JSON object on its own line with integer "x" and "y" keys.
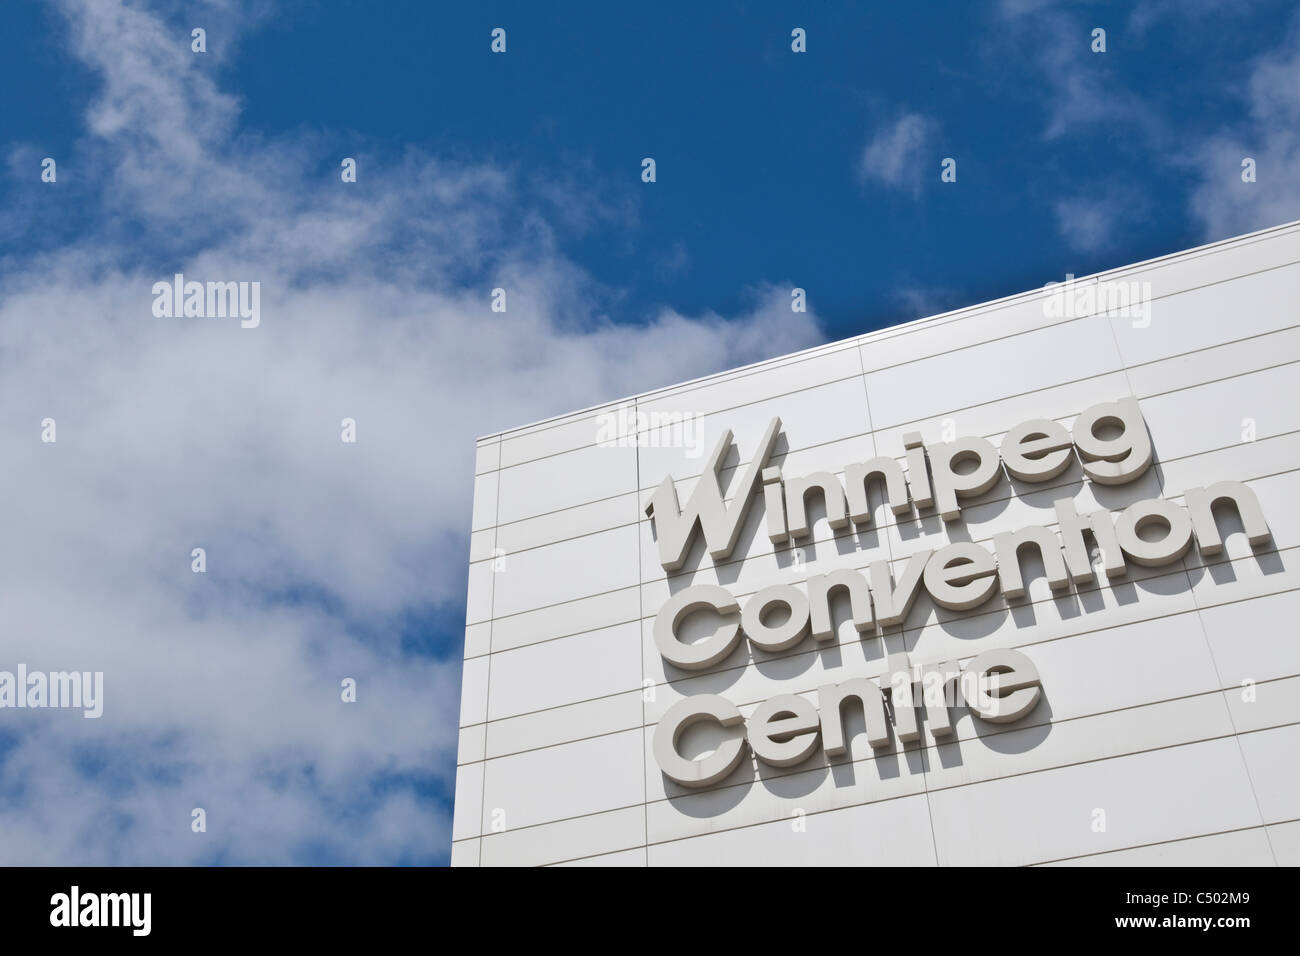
{"x": 1013, "y": 585}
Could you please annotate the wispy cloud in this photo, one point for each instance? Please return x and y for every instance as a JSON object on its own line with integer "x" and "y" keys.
{"x": 1269, "y": 134}
{"x": 898, "y": 154}
{"x": 920, "y": 301}
{"x": 1081, "y": 99}
{"x": 1076, "y": 93}
{"x": 1092, "y": 221}
{"x": 1146, "y": 14}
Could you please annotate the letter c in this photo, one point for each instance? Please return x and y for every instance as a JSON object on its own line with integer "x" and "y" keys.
{"x": 717, "y": 765}
{"x": 712, "y": 649}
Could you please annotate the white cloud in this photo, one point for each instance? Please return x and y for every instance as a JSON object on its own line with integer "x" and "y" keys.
{"x": 1268, "y": 133}
{"x": 898, "y": 154}
{"x": 222, "y": 690}
{"x": 1148, "y": 13}
{"x": 1079, "y": 99}
{"x": 1091, "y": 222}
{"x": 922, "y": 301}
{"x": 1085, "y": 223}
{"x": 1078, "y": 94}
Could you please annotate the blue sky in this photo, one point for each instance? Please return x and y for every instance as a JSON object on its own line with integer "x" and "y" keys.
{"x": 774, "y": 169}
{"x": 758, "y": 148}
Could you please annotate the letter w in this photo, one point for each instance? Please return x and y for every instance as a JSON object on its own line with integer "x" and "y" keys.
{"x": 675, "y": 528}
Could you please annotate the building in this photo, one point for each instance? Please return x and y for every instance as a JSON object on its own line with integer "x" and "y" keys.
{"x": 828, "y": 670}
